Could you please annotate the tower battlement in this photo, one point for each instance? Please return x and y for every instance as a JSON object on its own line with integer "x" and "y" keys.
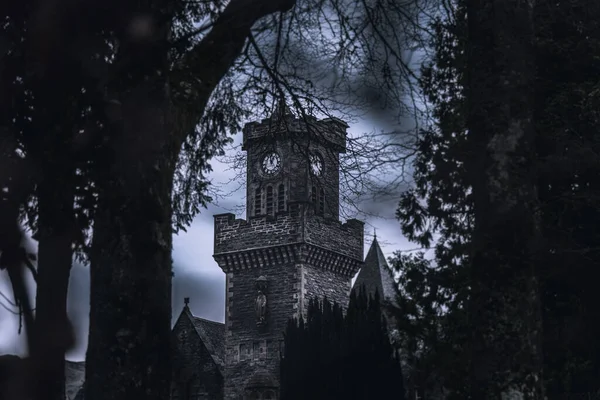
{"x": 329, "y": 130}
{"x": 235, "y": 235}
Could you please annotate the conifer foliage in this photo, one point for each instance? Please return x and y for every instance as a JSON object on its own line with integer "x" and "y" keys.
{"x": 337, "y": 356}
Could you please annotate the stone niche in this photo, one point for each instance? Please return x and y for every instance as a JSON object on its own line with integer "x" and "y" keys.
{"x": 261, "y": 301}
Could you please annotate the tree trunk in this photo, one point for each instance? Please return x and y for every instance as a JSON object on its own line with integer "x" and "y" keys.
{"x": 128, "y": 354}
{"x": 48, "y": 145}
{"x": 505, "y": 306}
{"x": 53, "y": 334}
{"x": 130, "y": 303}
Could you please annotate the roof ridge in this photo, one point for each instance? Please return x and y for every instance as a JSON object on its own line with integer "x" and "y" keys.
{"x": 207, "y": 320}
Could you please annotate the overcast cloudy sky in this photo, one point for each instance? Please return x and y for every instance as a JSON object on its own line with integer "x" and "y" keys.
{"x": 196, "y": 273}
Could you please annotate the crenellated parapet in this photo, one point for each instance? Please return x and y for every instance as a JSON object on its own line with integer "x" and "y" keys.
{"x": 331, "y": 131}
{"x": 270, "y": 240}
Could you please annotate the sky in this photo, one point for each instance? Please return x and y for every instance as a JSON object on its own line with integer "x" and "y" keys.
{"x": 196, "y": 274}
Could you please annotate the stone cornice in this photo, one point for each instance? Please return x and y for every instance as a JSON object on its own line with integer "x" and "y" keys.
{"x": 297, "y": 253}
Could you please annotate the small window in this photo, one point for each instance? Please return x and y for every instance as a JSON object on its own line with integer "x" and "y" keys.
{"x": 281, "y": 198}
{"x": 313, "y": 196}
{"x": 257, "y": 202}
{"x": 269, "y": 200}
{"x": 321, "y": 202}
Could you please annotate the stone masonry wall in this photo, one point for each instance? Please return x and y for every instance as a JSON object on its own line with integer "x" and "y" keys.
{"x": 237, "y": 234}
{"x": 320, "y": 284}
{"x": 248, "y": 347}
{"x": 345, "y": 238}
{"x": 292, "y": 280}
{"x": 331, "y": 130}
{"x": 192, "y": 363}
{"x": 295, "y": 143}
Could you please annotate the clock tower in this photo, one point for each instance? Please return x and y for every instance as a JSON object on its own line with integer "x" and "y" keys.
{"x": 292, "y": 246}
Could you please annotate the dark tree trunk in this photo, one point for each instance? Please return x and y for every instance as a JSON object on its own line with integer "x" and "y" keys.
{"x": 128, "y": 353}
{"x": 48, "y": 144}
{"x": 130, "y": 304}
{"x": 504, "y": 308}
{"x": 53, "y": 334}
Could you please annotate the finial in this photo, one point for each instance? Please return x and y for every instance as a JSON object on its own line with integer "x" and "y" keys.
{"x": 186, "y": 301}
{"x": 375, "y": 233}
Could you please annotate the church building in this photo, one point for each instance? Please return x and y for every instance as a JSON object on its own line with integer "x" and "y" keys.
{"x": 291, "y": 247}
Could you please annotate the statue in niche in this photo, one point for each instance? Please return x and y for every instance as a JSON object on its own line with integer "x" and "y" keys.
{"x": 260, "y": 303}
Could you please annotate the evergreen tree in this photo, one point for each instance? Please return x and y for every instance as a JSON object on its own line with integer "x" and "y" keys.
{"x": 332, "y": 356}
{"x": 566, "y": 144}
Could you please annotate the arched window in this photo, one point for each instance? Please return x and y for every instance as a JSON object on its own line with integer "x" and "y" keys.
{"x": 321, "y": 202}
{"x": 270, "y": 200}
{"x": 281, "y": 198}
{"x": 257, "y": 203}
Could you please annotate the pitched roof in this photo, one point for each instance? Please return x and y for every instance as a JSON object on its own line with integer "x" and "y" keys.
{"x": 212, "y": 335}
{"x": 376, "y": 275}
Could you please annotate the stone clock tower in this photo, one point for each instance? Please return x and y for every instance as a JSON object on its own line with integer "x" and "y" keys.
{"x": 291, "y": 247}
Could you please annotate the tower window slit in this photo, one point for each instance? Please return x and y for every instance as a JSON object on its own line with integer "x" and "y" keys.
{"x": 281, "y": 198}
{"x": 321, "y": 202}
{"x": 270, "y": 200}
{"x": 257, "y": 202}
{"x": 313, "y": 196}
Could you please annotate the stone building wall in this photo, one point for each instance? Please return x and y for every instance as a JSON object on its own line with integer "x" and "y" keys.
{"x": 193, "y": 367}
{"x": 250, "y": 347}
{"x": 295, "y": 140}
{"x": 300, "y": 249}
{"x": 233, "y": 234}
{"x": 320, "y": 284}
{"x": 346, "y": 239}
{"x": 301, "y": 256}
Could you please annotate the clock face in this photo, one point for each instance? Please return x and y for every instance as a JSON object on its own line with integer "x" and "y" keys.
{"x": 271, "y": 164}
{"x": 316, "y": 164}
